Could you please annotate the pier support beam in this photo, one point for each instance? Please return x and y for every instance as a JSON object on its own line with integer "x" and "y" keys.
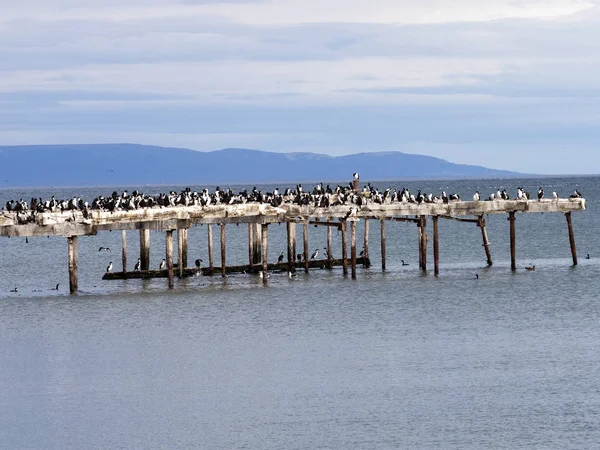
{"x": 423, "y": 243}
{"x": 124, "y": 250}
{"x": 73, "y": 263}
{"x": 513, "y": 241}
{"x": 169, "y": 256}
{"x": 344, "y": 248}
{"x": 223, "y": 249}
{"x": 571, "y": 238}
{"x": 257, "y": 242}
{"x": 250, "y": 246}
{"x": 184, "y": 250}
{"x": 211, "y": 262}
{"x": 329, "y": 246}
{"x": 436, "y": 246}
{"x": 180, "y": 252}
{"x": 382, "y": 244}
{"x": 305, "y": 242}
{"x": 291, "y": 247}
{"x": 265, "y": 246}
{"x": 486, "y": 242}
{"x": 145, "y": 249}
{"x": 353, "y": 248}
{"x": 366, "y": 244}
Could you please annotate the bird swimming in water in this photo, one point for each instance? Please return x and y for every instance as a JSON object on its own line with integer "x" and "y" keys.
{"x": 261, "y": 274}
{"x": 138, "y": 265}
{"x": 292, "y": 274}
{"x": 530, "y": 268}
{"x": 14, "y": 290}
{"x": 56, "y": 288}
{"x": 404, "y": 263}
{"x": 477, "y": 276}
{"x": 106, "y": 249}
{"x": 280, "y": 258}
{"x": 109, "y": 267}
{"x": 587, "y": 256}
{"x": 163, "y": 263}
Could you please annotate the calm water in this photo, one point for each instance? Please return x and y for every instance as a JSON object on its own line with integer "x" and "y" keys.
{"x": 391, "y": 360}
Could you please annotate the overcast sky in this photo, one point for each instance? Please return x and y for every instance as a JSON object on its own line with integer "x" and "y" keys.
{"x": 510, "y": 84}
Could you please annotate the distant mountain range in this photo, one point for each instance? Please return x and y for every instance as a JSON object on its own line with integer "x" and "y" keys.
{"x": 131, "y": 164}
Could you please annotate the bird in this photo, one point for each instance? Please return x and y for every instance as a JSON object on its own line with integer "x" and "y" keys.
{"x": 325, "y": 253}
{"x": 197, "y": 262}
{"x": 554, "y": 195}
{"x": 355, "y": 176}
{"x": 280, "y": 258}
{"x": 530, "y": 268}
{"x": 404, "y": 263}
{"x": 109, "y": 268}
{"x": 292, "y": 274}
{"x": 299, "y": 257}
{"x": 476, "y": 196}
{"x": 14, "y": 290}
{"x": 588, "y": 256}
{"x": 540, "y": 193}
{"x": 315, "y": 254}
{"x": 477, "y": 276}
{"x": 106, "y": 249}
{"x": 362, "y": 252}
{"x": 138, "y": 264}
{"x": 56, "y": 288}
{"x": 262, "y": 274}
{"x": 163, "y": 263}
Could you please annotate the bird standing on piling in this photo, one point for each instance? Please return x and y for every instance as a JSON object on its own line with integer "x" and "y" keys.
{"x": 476, "y": 197}
{"x": 109, "y": 268}
{"x": 315, "y": 254}
{"x": 163, "y": 263}
{"x": 540, "y": 193}
{"x": 138, "y": 265}
{"x": 280, "y": 258}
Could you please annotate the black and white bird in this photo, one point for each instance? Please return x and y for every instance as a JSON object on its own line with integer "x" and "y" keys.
{"x": 540, "y": 193}
{"x": 280, "y": 258}
{"x": 109, "y": 267}
{"x": 14, "y": 290}
{"x": 404, "y": 263}
{"x": 315, "y": 254}
{"x": 56, "y": 287}
{"x": 163, "y": 263}
{"x": 355, "y": 176}
{"x": 292, "y": 274}
{"x": 198, "y": 262}
{"x": 325, "y": 253}
{"x": 106, "y": 249}
{"x": 138, "y": 265}
{"x": 476, "y": 196}
{"x": 554, "y": 195}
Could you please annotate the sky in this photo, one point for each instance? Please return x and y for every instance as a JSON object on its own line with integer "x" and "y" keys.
{"x": 508, "y": 84}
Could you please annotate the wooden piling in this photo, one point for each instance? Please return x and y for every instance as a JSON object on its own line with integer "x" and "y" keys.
{"x": 329, "y": 246}
{"x": 305, "y": 242}
{"x": 420, "y": 240}
{"x": 124, "y": 250}
{"x": 513, "y": 241}
{"x": 184, "y": 250}
{"x": 265, "y": 246}
{"x": 180, "y": 252}
{"x": 344, "y": 248}
{"x": 73, "y": 264}
{"x": 486, "y": 243}
{"x": 382, "y": 244}
{"x": 169, "y": 257}
{"x": 436, "y": 246}
{"x": 223, "y": 249}
{"x": 353, "y": 248}
{"x": 291, "y": 247}
{"x": 424, "y": 239}
{"x": 257, "y": 242}
{"x": 571, "y": 238}
{"x": 145, "y": 248}
{"x": 250, "y": 245}
{"x": 211, "y": 264}
{"x": 366, "y": 243}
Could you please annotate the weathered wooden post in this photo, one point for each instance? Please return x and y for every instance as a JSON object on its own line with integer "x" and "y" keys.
{"x": 367, "y": 261}
{"x": 486, "y": 243}
{"x": 305, "y": 242}
{"x": 250, "y": 245}
{"x": 145, "y": 248}
{"x": 291, "y": 245}
{"x": 211, "y": 265}
{"x": 382, "y": 244}
{"x": 571, "y": 238}
{"x": 344, "y": 249}
{"x": 169, "y": 257}
{"x": 73, "y": 264}
{"x": 329, "y": 246}
{"x": 223, "y": 250}
{"x": 124, "y": 250}
{"x": 424, "y": 239}
{"x": 436, "y": 246}
{"x": 184, "y": 251}
{"x": 265, "y": 246}
{"x": 180, "y": 252}
{"x": 257, "y": 243}
{"x": 353, "y": 247}
{"x": 513, "y": 241}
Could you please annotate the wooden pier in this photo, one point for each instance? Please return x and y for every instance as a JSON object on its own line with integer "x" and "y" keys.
{"x": 259, "y": 216}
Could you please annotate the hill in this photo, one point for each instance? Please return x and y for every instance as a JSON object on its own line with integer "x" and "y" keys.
{"x": 131, "y": 164}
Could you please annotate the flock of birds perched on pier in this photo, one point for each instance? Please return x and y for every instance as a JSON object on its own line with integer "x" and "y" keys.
{"x": 319, "y": 196}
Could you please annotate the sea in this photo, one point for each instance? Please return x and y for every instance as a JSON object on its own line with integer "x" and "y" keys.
{"x": 396, "y": 359}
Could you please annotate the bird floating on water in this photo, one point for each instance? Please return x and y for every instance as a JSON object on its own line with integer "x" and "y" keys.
{"x": 530, "y": 268}
{"x": 404, "y": 263}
